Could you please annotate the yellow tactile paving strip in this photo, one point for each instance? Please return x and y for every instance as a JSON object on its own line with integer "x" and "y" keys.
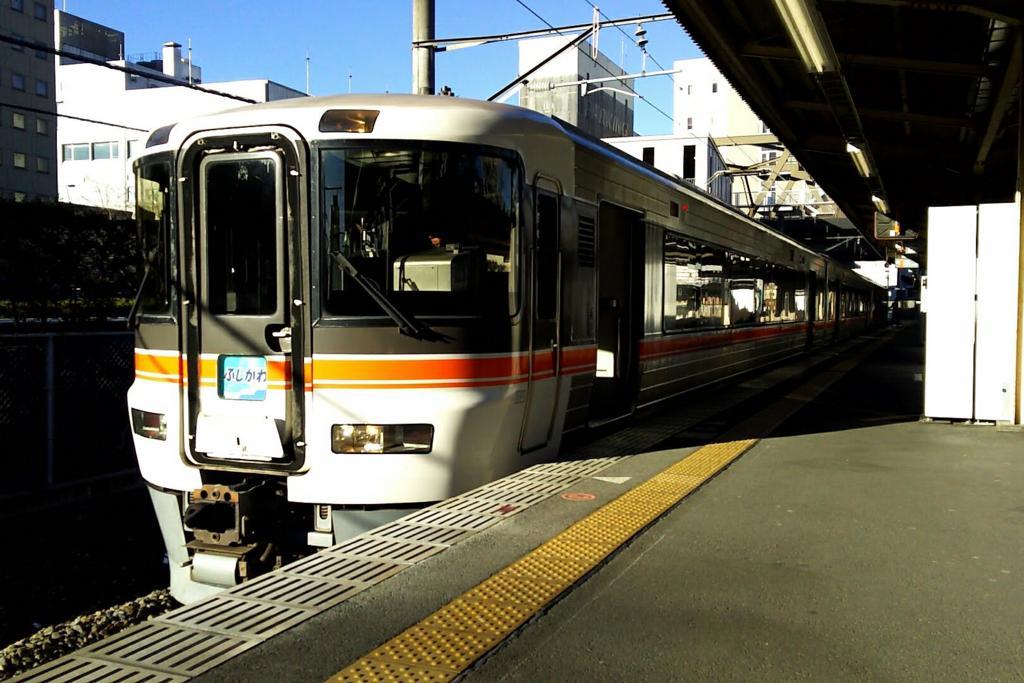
{"x": 447, "y": 642}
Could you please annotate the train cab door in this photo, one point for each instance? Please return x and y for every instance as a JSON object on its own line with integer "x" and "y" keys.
{"x": 542, "y": 389}
{"x": 244, "y": 308}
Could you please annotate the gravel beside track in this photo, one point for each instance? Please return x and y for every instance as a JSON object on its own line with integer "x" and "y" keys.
{"x": 56, "y": 641}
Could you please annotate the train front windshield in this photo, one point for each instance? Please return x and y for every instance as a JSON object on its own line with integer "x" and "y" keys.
{"x": 433, "y": 225}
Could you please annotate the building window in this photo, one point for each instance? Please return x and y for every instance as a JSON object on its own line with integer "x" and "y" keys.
{"x": 40, "y": 11}
{"x": 689, "y": 124}
{"x": 18, "y": 48}
{"x": 42, "y": 126}
{"x": 18, "y": 5}
{"x": 132, "y": 148}
{"x": 42, "y": 88}
{"x": 42, "y": 165}
{"x": 649, "y": 155}
{"x": 714, "y": 87}
{"x": 690, "y": 162}
{"x": 78, "y": 152}
{"x": 104, "y": 150}
{"x": 19, "y": 160}
{"x": 17, "y": 120}
{"x": 18, "y": 82}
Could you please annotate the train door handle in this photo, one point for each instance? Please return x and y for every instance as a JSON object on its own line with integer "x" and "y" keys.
{"x": 279, "y": 338}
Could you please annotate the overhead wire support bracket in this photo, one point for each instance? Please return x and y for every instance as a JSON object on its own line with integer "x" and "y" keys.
{"x": 522, "y": 78}
{"x": 442, "y": 44}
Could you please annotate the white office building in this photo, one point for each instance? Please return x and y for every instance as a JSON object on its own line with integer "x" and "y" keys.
{"x": 706, "y": 106}
{"x": 695, "y": 160}
{"x": 106, "y": 115}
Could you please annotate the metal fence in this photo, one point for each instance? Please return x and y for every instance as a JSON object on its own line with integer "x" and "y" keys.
{"x": 63, "y": 411}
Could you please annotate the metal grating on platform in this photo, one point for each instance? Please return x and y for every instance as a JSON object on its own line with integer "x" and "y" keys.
{"x": 521, "y": 499}
{"x": 520, "y": 486}
{"x": 76, "y": 669}
{"x": 480, "y": 506}
{"x": 451, "y": 519}
{"x": 297, "y": 591}
{"x": 406, "y": 552}
{"x": 545, "y": 477}
{"x": 193, "y": 639}
{"x": 340, "y": 568}
{"x": 169, "y": 648}
{"x": 237, "y": 617}
{"x": 412, "y": 531}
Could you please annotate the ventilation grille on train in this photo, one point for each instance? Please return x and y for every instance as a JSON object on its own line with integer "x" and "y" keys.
{"x": 585, "y": 247}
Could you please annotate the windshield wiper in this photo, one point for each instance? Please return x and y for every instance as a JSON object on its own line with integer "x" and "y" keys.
{"x": 407, "y": 324}
{"x": 132, "y": 320}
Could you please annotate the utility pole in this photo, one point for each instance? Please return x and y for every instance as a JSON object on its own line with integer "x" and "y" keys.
{"x": 422, "y": 55}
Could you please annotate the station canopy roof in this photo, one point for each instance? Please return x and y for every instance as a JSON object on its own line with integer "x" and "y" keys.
{"x": 923, "y": 91}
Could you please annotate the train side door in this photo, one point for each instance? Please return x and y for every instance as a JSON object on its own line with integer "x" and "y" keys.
{"x": 242, "y": 405}
{"x": 542, "y": 390}
{"x": 620, "y": 291}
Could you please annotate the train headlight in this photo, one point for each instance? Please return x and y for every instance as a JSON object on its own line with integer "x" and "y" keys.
{"x": 149, "y": 425}
{"x": 412, "y": 438}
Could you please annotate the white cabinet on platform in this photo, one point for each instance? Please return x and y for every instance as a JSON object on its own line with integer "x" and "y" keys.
{"x": 971, "y": 339}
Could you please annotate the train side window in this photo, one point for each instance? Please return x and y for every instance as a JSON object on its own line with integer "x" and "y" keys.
{"x": 785, "y": 295}
{"x": 152, "y": 215}
{"x": 547, "y": 256}
{"x": 745, "y": 290}
{"x": 774, "y": 294}
{"x": 819, "y": 298}
{"x": 799, "y": 295}
{"x": 693, "y": 284}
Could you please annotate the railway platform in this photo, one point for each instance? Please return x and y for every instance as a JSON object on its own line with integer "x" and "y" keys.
{"x": 802, "y": 524}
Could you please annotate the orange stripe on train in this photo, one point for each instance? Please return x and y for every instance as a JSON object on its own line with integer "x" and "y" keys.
{"x": 665, "y": 347}
{"x": 381, "y": 373}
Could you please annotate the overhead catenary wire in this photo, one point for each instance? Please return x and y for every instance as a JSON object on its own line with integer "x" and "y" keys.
{"x": 36, "y": 110}
{"x": 633, "y": 90}
{"x": 746, "y": 153}
{"x": 442, "y": 44}
{"x": 623, "y": 32}
{"x": 605, "y": 68}
{"x": 144, "y": 73}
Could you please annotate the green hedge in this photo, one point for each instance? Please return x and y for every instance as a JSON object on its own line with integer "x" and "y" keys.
{"x": 65, "y": 263}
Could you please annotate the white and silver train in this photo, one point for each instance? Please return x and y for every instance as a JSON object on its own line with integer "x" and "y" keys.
{"x": 355, "y": 305}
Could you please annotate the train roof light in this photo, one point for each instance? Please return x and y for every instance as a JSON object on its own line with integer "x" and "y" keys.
{"x": 348, "y": 120}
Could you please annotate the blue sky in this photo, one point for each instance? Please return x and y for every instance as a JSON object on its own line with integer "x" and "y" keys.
{"x": 264, "y": 39}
